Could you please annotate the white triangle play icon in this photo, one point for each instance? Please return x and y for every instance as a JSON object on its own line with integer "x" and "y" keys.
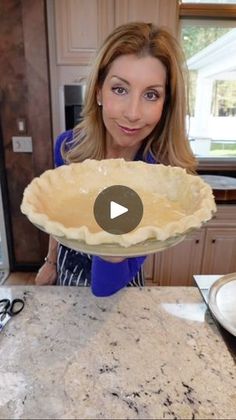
{"x": 116, "y": 210}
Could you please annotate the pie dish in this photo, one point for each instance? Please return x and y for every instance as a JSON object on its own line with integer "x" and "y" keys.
{"x": 222, "y": 301}
{"x": 61, "y": 200}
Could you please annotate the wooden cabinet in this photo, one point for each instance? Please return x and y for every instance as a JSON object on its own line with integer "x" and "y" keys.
{"x": 220, "y": 251}
{"x": 180, "y": 263}
{"x": 219, "y": 255}
{"x": 149, "y": 268}
{"x": 176, "y": 265}
{"x": 160, "y": 12}
{"x": 82, "y": 25}
{"x": 210, "y": 250}
{"x": 152, "y": 269}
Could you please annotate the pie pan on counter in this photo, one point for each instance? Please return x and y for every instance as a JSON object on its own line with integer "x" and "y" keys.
{"x": 61, "y": 200}
{"x": 222, "y": 301}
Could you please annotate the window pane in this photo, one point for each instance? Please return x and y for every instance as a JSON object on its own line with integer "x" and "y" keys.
{"x": 210, "y": 50}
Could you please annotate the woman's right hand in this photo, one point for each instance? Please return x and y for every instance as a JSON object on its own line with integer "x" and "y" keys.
{"x": 47, "y": 275}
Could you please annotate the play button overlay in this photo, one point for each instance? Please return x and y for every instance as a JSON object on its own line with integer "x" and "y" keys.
{"x": 118, "y": 209}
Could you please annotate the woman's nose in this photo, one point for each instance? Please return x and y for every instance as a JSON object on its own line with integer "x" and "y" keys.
{"x": 133, "y": 109}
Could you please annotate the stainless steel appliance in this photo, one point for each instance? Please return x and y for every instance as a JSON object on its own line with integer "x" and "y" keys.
{"x": 4, "y": 256}
{"x": 73, "y": 99}
{"x": 4, "y": 259}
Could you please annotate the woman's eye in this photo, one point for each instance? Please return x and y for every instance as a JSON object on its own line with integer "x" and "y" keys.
{"x": 152, "y": 96}
{"x": 119, "y": 90}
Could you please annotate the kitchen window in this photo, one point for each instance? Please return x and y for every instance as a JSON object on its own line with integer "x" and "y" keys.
{"x": 208, "y": 37}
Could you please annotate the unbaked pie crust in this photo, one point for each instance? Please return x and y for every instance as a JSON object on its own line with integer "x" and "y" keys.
{"x": 61, "y": 200}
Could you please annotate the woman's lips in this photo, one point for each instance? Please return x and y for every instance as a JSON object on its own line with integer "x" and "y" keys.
{"x": 128, "y": 130}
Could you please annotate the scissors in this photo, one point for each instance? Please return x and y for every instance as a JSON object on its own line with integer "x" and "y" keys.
{"x": 8, "y": 309}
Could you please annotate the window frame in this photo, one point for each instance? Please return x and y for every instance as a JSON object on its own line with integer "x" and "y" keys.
{"x": 209, "y": 11}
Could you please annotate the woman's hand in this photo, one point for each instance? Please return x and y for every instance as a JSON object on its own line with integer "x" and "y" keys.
{"x": 47, "y": 274}
{"x": 112, "y": 259}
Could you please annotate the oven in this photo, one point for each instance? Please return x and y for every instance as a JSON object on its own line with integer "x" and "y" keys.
{"x": 73, "y": 102}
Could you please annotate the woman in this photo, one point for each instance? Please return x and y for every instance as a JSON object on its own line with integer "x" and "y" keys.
{"x": 134, "y": 109}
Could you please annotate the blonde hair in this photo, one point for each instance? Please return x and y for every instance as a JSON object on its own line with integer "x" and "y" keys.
{"x": 168, "y": 142}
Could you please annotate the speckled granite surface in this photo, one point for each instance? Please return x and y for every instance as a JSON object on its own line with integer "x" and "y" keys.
{"x": 143, "y": 353}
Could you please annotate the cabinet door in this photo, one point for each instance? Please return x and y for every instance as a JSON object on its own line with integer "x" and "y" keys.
{"x": 149, "y": 269}
{"x": 160, "y": 12}
{"x": 81, "y": 26}
{"x": 220, "y": 251}
{"x": 182, "y": 261}
{"x": 152, "y": 269}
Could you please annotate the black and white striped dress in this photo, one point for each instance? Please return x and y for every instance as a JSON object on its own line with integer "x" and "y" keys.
{"x": 74, "y": 269}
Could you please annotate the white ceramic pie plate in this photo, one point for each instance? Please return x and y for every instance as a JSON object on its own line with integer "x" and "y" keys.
{"x": 222, "y": 301}
{"x": 115, "y": 250}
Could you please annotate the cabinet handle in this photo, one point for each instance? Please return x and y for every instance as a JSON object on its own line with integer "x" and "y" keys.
{"x": 197, "y": 241}
{"x": 213, "y": 241}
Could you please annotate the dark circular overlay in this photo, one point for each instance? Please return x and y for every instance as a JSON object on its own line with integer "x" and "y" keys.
{"x": 114, "y": 200}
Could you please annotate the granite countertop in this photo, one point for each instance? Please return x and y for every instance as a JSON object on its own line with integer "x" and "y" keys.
{"x": 142, "y": 353}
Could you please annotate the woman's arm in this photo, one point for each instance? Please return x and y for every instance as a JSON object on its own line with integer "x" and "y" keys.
{"x": 109, "y": 277}
{"x": 47, "y": 274}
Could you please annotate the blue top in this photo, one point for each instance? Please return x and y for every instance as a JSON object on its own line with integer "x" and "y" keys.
{"x": 106, "y": 277}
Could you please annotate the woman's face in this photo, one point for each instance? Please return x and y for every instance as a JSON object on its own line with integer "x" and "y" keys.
{"x": 132, "y": 98}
